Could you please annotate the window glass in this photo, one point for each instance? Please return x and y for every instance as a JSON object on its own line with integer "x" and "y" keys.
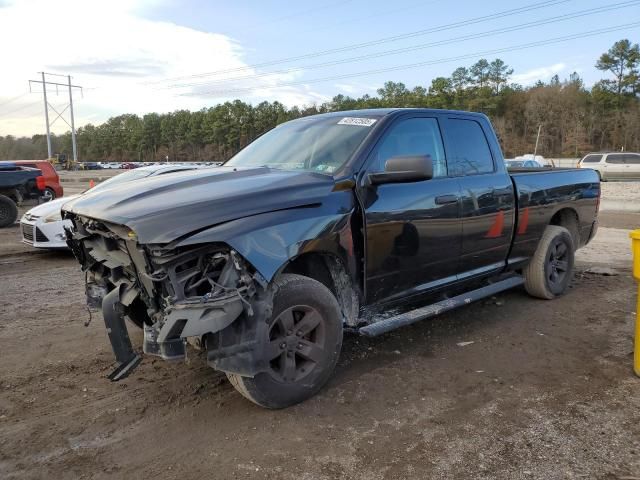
{"x": 592, "y": 159}
{"x": 471, "y": 154}
{"x": 633, "y": 158}
{"x": 320, "y": 144}
{"x": 414, "y": 136}
{"x": 615, "y": 158}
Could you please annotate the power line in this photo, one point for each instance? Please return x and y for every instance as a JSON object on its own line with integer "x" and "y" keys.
{"x": 394, "y": 38}
{"x": 522, "y": 26}
{"x": 44, "y": 82}
{"x": 422, "y": 64}
{"x": 13, "y": 99}
{"x": 22, "y": 107}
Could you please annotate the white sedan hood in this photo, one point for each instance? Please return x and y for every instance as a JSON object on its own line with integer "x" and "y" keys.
{"x": 50, "y": 207}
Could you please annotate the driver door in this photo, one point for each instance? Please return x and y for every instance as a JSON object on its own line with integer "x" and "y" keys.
{"x": 413, "y": 230}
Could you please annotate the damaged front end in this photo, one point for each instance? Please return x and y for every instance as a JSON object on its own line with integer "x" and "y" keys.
{"x": 208, "y": 293}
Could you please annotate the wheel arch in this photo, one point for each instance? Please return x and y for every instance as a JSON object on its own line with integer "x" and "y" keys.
{"x": 568, "y": 218}
{"x": 332, "y": 271}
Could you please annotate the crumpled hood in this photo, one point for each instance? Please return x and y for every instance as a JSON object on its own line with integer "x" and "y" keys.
{"x": 163, "y": 208}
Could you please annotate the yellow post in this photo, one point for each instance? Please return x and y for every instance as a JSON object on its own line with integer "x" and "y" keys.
{"x": 635, "y": 249}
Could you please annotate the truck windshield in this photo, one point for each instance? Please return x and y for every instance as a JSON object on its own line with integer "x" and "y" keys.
{"x": 318, "y": 145}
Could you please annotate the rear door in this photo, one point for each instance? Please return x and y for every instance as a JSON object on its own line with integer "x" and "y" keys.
{"x": 413, "y": 230}
{"x": 632, "y": 166}
{"x": 487, "y": 195}
{"x": 614, "y": 167}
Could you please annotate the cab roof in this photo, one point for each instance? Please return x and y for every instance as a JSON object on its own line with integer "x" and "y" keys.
{"x": 382, "y": 112}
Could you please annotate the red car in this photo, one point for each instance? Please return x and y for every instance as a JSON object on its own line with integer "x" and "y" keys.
{"x": 53, "y": 189}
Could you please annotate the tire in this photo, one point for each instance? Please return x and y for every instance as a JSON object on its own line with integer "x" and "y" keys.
{"x": 295, "y": 376}
{"x": 8, "y": 211}
{"x": 550, "y": 270}
{"x": 49, "y": 194}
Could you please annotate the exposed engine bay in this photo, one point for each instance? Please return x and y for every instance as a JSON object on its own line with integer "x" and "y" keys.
{"x": 208, "y": 293}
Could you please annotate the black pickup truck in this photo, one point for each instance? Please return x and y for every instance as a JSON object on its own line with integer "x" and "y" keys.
{"x": 17, "y": 184}
{"x": 363, "y": 220}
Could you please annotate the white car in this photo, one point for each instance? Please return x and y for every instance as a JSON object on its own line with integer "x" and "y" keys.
{"x": 613, "y": 166}
{"x": 43, "y": 226}
{"x": 512, "y": 163}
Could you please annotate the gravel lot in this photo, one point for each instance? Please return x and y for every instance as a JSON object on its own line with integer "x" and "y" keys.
{"x": 621, "y": 196}
{"x": 544, "y": 391}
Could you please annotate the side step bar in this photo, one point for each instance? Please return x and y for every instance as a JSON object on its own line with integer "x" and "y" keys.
{"x": 413, "y": 316}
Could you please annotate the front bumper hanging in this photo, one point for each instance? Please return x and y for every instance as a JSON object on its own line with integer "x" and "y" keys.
{"x": 126, "y": 358}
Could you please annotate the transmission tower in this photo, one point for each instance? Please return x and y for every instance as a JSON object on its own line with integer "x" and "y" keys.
{"x": 44, "y": 82}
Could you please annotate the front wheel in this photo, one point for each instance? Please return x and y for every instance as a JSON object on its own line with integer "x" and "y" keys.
{"x": 305, "y": 337}
{"x": 551, "y": 268}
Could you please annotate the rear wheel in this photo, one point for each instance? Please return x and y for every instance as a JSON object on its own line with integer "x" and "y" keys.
{"x": 8, "y": 211}
{"x": 305, "y": 337}
{"x": 551, "y": 268}
{"x": 48, "y": 194}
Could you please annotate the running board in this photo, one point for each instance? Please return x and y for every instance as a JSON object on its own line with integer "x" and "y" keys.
{"x": 413, "y": 316}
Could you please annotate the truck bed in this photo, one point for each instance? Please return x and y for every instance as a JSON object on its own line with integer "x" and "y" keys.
{"x": 542, "y": 195}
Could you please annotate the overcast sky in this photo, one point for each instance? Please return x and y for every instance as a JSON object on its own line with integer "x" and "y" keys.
{"x": 139, "y": 56}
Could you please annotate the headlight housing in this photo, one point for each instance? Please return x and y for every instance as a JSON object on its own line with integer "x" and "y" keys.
{"x": 53, "y": 217}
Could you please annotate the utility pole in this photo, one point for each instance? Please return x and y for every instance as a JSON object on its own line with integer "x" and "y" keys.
{"x": 46, "y": 114}
{"x": 535, "y": 151}
{"x": 44, "y": 82}
{"x": 73, "y": 125}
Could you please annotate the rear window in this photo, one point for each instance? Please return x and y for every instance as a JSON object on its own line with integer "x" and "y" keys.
{"x": 616, "y": 158}
{"x": 633, "y": 158}
{"x": 592, "y": 159}
{"x": 471, "y": 154}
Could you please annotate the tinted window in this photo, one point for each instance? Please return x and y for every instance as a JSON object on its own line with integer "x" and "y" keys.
{"x": 592, "y": 159}
{"x": 414, "y": 136}
{"x": 471, "y": 154}
{"x": 633, "y": 158}
{"x": 615, "y": 158}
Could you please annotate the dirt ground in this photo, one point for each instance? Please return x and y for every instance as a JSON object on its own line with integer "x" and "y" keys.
{"x": 545, "y": 391}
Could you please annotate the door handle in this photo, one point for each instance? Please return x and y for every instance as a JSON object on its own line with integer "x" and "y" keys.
{"x": 446, "y": 199}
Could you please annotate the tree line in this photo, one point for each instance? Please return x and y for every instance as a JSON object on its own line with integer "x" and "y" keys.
{"x": 574, "y": 119}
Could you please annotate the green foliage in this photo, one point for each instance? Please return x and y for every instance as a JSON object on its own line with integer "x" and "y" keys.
{"x": 623, "y": 61}
{"x": 575, "y": 120}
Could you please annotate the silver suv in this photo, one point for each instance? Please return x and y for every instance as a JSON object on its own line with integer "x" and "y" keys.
{"x": 613, "y": 166}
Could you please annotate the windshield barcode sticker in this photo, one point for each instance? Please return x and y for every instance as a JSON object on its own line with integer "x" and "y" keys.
{"x": 362, "y": 122}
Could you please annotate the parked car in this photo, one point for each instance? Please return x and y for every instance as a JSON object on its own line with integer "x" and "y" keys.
{"x": 545, "y": 162}
{"x": 17, "y": 184}
{"x": 613, "y": 165}
{"x": 43, "y": 226}
{"x": 53, "y": 188}
{"x": 522, "y": 164}
{"x": 128, "y": 165}
{"x": 324, "y": 222}
{"x": 90, "y": 165}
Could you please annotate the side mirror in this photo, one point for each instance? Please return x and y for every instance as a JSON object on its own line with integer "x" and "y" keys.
{"x": 404, "y": 169}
